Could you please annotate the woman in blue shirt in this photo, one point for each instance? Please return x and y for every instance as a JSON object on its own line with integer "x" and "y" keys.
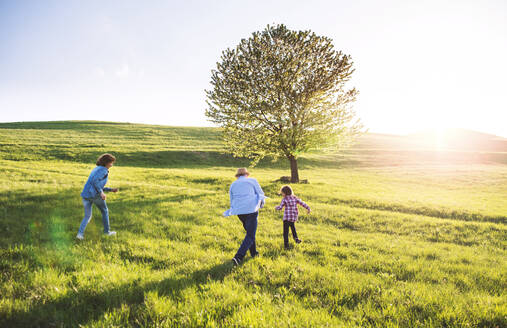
{"x": 93, "y": 193}
{"x": 247, "y": 198}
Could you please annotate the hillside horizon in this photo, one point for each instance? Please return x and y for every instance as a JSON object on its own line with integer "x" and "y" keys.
{"x": 428, "y": 140}
{"x": 415, "y": 134}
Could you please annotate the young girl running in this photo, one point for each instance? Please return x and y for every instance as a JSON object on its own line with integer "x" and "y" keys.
{"x": 93, "y": 193}
{"x": 290, "y": 215}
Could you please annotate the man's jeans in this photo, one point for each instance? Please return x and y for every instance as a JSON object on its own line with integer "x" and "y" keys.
{"x": 101, "y": 204}
{"x": 250, "y": 224}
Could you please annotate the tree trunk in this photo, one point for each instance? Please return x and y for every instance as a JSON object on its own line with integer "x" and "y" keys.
{"x": 294, "y": 174}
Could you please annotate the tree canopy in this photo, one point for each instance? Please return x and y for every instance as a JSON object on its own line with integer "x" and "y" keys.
{"x": 282, "y": 92}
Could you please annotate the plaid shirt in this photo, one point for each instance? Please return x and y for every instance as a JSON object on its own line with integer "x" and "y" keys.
{"x": 291, "y": 207}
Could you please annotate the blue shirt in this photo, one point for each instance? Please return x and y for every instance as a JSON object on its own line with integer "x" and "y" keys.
{"x": 96, "y": 182}
{"x": 246, "y": 196}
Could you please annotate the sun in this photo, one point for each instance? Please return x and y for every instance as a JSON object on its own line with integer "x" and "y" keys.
{"x": 439, "y": 138}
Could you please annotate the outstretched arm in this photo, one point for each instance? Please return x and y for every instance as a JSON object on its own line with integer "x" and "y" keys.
{"x": 300, "y": 202}
{"x": 282, "y": 204}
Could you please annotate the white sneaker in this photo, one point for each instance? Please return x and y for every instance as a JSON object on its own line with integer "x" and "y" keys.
{"x": 110, "y": 233}
{"x": 80, "y": 236}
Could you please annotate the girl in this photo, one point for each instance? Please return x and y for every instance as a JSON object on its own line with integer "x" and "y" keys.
{"x": 93, "y": 193}
{"x": 290, "y": 215}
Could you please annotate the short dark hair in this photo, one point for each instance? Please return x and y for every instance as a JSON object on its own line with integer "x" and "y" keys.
{"x": 105, "y": 159}
{"x": 287, "y": 190}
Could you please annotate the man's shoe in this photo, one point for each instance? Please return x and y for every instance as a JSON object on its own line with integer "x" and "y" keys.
{"x": 256, "y": 254}
{"x": 110, "y": 233}
{"x": 298, "y": 241}
{"x": 236, "y": 261}
{"x": 79, "y": 236}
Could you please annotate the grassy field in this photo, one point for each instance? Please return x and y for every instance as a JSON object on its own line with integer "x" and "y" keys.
{"x": 399, "y": 236}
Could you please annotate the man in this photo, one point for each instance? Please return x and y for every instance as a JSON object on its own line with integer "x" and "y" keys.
{"x": 247, "y": 198}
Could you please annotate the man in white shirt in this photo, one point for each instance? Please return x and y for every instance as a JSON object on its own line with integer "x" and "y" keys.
{"x": 247, "y": 198}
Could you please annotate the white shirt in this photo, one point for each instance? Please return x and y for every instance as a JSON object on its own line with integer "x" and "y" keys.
{"x": 246, "y": 196}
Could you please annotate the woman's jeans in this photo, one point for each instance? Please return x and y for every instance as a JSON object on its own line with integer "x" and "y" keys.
{"x": 286, "y": 225}
{"x": 101, "y": 204}
{"x": 250, "y": 224}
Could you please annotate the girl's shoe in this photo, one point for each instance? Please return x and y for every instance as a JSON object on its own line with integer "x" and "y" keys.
{"x": 298, "y": 241}
{"x": 80, "y": 236}
{"x": 110, "y": 233}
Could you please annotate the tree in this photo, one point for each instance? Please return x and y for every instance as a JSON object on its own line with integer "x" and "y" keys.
{"x": 280, "y": 93}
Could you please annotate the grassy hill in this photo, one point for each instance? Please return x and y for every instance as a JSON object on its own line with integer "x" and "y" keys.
{"x": 400, "y": 234}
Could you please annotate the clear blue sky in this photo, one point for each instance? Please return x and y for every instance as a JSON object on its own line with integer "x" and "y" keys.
{"x": 419, "y": 64}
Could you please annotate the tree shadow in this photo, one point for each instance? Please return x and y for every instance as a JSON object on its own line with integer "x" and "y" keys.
{"x": 210, "y": 158}
{"x": 174, "y": 158}
{"x": 164, "y": 158}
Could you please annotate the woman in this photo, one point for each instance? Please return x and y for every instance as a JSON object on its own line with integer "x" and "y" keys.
{"x": 247, "y": 198}
{"x": 93, "y": 193}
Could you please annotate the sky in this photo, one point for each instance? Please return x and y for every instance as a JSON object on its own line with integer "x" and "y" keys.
{"x": 419, "y": 64}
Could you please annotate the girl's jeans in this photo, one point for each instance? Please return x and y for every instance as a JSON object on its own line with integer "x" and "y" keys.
{"x": 286, "y": 225}
{"x": 101, "y": 204}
